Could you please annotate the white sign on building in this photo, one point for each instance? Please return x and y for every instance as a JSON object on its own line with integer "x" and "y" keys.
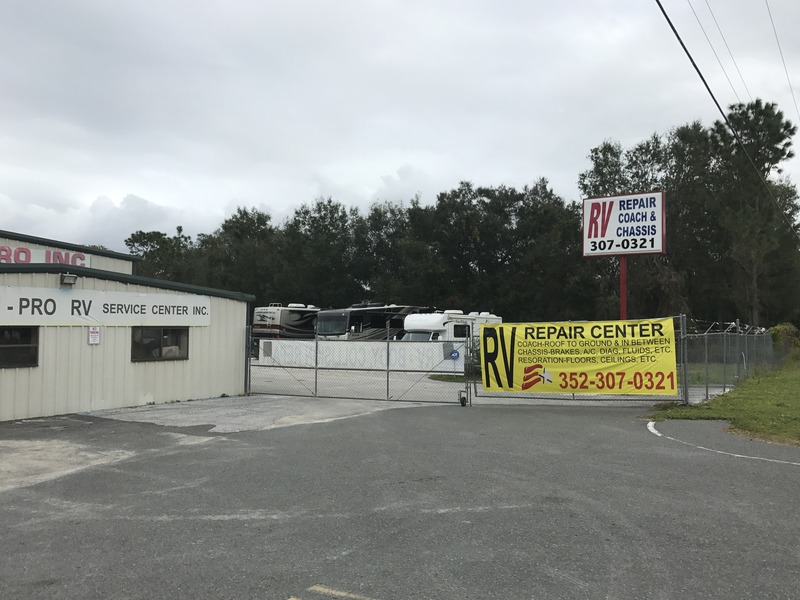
{"x": 617, "y": 225}
{"x": 47, "y": 306}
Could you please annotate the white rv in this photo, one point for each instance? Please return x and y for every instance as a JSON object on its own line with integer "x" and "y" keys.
{"x": 448, "y": 325}
{"x": 291, "y": 321}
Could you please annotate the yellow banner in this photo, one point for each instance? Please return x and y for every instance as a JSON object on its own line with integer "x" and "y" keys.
{"x": 595, "y": 357}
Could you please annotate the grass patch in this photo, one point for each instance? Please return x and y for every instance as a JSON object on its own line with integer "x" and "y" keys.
{"x": 765, "y": 406}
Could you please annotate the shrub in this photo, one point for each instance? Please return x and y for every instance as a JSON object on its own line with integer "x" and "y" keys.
{"x": 785, "y": 336}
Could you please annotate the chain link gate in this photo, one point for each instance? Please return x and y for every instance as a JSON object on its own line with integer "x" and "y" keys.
{"x": 393, "y": 370}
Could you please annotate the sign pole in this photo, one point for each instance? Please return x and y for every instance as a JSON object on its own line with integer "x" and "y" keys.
{"x": 623, "y": 287}
{"x": 623, "y": 225}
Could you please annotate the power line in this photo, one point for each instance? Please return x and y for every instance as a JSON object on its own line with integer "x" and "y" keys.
{"x": 785, "y": 70}
{"x": 729, "y": 51}
{"x": 727, "y": 122}
{"x": 703, "y": 29}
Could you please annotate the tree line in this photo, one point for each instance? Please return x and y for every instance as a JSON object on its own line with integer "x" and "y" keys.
{"x": 732, "y": 244}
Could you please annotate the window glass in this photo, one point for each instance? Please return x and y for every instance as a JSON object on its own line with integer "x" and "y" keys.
{"x": 19, "y": 347}
{"x": 418, "y": 336}
{"x": 332, "y": 325}
{"x": 159, "y": 343}
{"x": 460, "y": 331}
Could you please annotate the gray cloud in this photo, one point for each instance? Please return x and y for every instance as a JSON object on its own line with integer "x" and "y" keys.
{"x": 127, "y": 115}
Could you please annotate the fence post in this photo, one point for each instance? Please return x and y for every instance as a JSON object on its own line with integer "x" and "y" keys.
{"x": 476, "y": 355}
{"x": 745, "y": 357}
{"x": 705, "y": 358}
{"x": 469, "y": 365}
{"x": 724, "y": 362}
{"x": 684, "y": 360}
{"x": 248, "y": 345}
{"x": 388, "y": 333}
{"x": 738, "y": 353}
{"x": 388, "y": 397}
{"x": 316, "y": 363}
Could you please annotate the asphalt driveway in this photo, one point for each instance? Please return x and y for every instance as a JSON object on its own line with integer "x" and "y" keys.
{"x": 284, "y": 499}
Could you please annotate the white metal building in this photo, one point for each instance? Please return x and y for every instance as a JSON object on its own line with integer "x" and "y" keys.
{"x": 80, "y": 331}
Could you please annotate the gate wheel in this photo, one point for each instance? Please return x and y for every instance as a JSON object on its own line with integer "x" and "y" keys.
{"x": 462, "y": 397}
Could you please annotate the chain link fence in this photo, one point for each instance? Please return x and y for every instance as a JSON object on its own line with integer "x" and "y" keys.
{"x": 710, "y": 361}
{"x": 724, "y": 354}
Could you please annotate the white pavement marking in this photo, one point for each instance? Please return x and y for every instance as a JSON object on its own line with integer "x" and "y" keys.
{"x": 652, "y": 427}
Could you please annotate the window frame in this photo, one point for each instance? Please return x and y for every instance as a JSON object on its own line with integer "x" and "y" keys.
{"x": 179, "y": 335}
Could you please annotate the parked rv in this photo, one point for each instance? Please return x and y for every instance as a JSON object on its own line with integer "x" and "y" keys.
{"x": 446, "y": 325}
{"x": 294, "y": 321}
{"x": 366, "y": 321}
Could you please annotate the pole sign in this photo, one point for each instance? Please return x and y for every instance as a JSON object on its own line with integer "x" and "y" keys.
{"x": 48, "y": 306}
{"x": 624, "y": 225}
{"x": 595, "y": 357}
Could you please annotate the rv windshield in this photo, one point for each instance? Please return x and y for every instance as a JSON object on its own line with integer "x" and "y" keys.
{"x": 332, "y": 325}
{"x": 419, "y": 336}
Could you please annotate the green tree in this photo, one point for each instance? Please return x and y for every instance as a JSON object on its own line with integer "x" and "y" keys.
{"x": 164, "y": 257}
{"x": 379, "y": 258}
{"x": 318, "y": 256}
{"x": 754, "y": 211}
{"x": 424, "y": 276}
{"x": 727, "y": 238}
{"x": 240, "y": 255}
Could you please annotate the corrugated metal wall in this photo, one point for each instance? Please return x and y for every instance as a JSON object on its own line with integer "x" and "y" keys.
{"x": 103, "y": 263}
{"x": 74, "y": 376}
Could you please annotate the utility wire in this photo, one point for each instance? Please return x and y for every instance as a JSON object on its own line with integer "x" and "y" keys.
{"x": 727, "y": 122}
{"x": 791, "y": 89}
{"x": 729, "y": 51}
{"x": 710, "y": 45}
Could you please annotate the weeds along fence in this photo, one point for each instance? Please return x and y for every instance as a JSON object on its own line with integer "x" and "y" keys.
{"x": 724, "y": 354}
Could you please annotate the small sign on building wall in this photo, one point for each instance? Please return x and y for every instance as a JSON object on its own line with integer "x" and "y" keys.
{"x": 94, "y": 335}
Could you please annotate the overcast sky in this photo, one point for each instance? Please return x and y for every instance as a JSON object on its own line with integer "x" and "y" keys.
{"x": 118, "y": 116}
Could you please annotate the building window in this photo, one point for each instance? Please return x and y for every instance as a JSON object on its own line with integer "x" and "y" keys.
{"x": 158, "y": 343}
{"x": 19, "y": 347}
{"x": 460, "y": 331}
